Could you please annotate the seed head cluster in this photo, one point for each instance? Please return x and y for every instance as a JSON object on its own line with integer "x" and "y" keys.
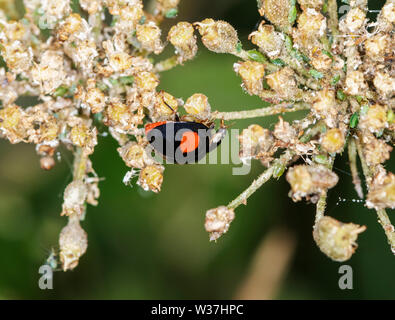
{"x": 94, "y": 64}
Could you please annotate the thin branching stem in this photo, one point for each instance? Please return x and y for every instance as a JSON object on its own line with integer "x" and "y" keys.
{"x": 261, "y": 112}
{"x": 264, "y": 177}
{"x": 352, "y": 157}
{"x": 80, "y": 163}
{"x": 166, "y": 64}
{"x": 333, "y": 18}
{"x": 383, "y": 218}
{"x": 321, "y": 204}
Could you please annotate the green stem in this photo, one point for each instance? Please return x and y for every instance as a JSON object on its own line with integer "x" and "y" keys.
{"x": 321, "y": 204}
{"x": 264, "y": 177}
{"x": 352, "y": 156}
{"x": 384, "y": 220}
{"x": 166, "y": 64}
{"x": 80, "y": 163}
{"x": 262, "y": 112}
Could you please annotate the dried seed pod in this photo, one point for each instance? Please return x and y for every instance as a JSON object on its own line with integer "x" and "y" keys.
{"x": 376, "y": 151}
{"x": 375, "y": 119}
{"x": 146, "y": 81}
{"x": 325, "y": 107}
{"x": 134, "y": 155}
{"x": 255, "y": 141}
{"x": 161, "y": 106}
{"x": 276, "y": 11}
{"x": 376, "y": 46}
{"x": 384, "y": 83}
{"x": 320, "y": 60}
{"x": 47, "y": 163}
{"x": 252, "y": 74}
{"x": 73, "y": 242}
{"x": 268, "y": 40}
{"x": 284, "y": 132}
{"x": 91, "y": 6}
{"x": 74, "y": 198}
{"x": 84, "y": 137}
{"x": 95, "y": 99}
{"x": 218, "y": 221}
{"x": 308, "y": 180}
{"x": 355, "y": 83}
{"x": 336, "y": 239}
{"x": 218, "y": 36}
{"x": 12, "y": 123}
{"x": 198, "y": 105}
{"x": 311, "y": 26}
{"x": 71, "y": 25}
{"x": 314, "y": 4}
{"x": 283, "y": 82}
{"x": 182, "y": 38}
{"x": 333, "y": 140}
{"x": 151, "y": 178}
{"x": 148, "y": 35}
{"x": 165, "y": 7}
{"x": 120, "y": 61}
{"x": 355, "y": 19}
{"x": 18, "y": 58}
{"x": 388, "y": 11}
{"x": 382, "y": 191}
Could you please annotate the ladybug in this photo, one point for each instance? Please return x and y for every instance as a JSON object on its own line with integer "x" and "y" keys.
{"x": 182, "y": 141}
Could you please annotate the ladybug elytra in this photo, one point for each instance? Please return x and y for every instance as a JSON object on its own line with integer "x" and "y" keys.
{"x": 183, "y": 141}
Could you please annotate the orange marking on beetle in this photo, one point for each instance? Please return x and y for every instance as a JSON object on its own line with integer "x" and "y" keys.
{"x": 150, "y": 126}
{"x": 189, "y": 141}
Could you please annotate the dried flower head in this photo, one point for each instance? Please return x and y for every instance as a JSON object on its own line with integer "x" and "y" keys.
{"x": 73, "y": 242}
{"x": 337, "y": 240}
{"x": 197, "y": 105}
{"x": 310, "y": 180}
{"x": 218, "y": 36}
{"x": 218, "y": 221}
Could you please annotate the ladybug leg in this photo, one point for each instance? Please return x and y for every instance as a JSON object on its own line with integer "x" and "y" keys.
{"x": 176, "y": 114}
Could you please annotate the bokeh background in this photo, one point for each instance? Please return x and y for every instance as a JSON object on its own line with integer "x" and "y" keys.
{"x": 153, "y": 246}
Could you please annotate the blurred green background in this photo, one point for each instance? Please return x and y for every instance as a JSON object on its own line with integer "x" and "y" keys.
{"x": 154, "y": 246}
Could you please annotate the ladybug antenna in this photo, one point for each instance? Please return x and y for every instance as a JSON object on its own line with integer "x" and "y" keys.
{"x": 177, "y": 117}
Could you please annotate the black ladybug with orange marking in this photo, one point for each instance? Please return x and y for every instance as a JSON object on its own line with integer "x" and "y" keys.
{"x": 181, "y": 141}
